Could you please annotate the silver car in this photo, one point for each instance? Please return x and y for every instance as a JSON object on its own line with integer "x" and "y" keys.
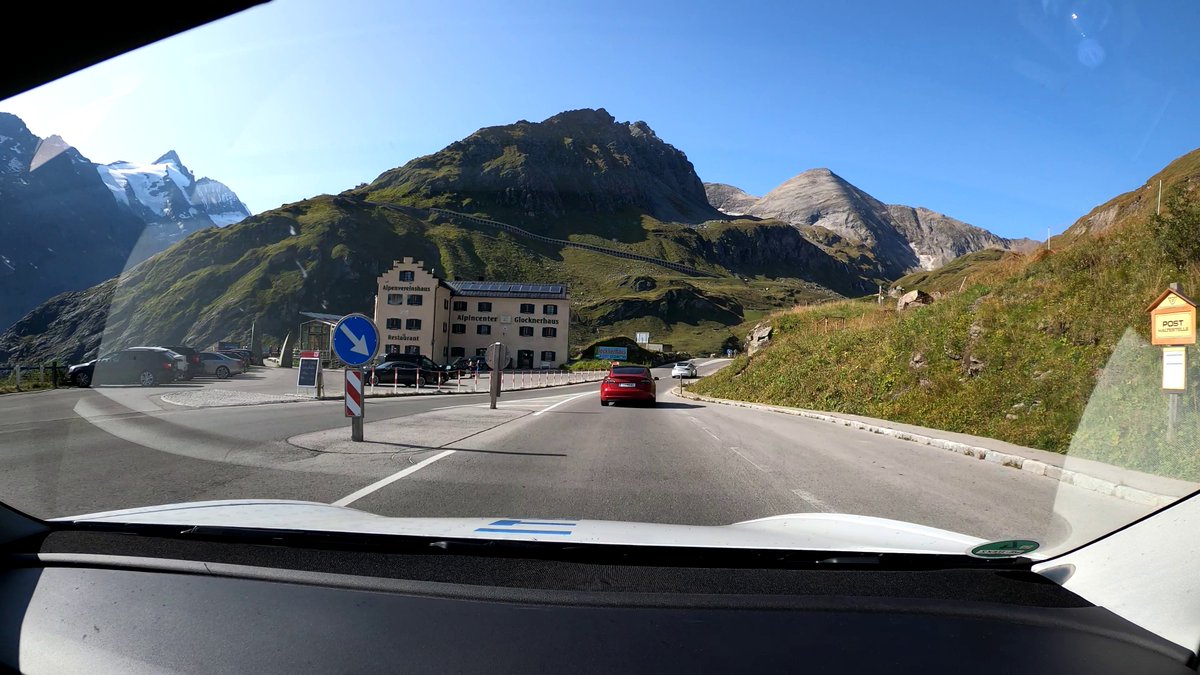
{"x": 684, "y": 369}
{"x": 219, "y": 365}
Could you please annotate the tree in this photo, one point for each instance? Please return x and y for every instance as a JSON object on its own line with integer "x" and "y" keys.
{"x": 1177, "y": 228}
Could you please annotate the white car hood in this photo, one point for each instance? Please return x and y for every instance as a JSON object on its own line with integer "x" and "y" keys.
{"x": 801, "y": 531}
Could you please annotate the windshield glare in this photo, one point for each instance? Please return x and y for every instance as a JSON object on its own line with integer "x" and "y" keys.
{"x": 948, "y": 281}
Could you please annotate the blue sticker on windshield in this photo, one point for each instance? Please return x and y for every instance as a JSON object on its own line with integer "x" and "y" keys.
{"x": 513, "y": 526}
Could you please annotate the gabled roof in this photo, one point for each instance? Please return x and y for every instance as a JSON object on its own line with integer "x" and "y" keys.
{"x": 1163, "y": 296}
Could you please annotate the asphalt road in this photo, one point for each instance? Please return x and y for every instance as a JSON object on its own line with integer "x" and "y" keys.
{"x": 550, "y": 453}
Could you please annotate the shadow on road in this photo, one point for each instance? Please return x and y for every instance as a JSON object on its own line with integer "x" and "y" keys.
{"x": 677, "y": 406}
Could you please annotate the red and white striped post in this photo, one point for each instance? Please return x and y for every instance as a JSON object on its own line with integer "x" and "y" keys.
{"x": 355, "y": 404}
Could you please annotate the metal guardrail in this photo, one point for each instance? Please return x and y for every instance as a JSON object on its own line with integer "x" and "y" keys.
{"x": 52, "y": 373}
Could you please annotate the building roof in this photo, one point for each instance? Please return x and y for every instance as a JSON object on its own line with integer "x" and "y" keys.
{"x": 320, "y": 316}
{"x": 508, "y": 289}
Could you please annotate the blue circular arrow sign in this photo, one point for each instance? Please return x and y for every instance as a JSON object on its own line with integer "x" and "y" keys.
{"x": 355, "y": 339}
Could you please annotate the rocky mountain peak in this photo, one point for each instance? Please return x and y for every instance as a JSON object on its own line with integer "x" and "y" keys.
{"x": 575, "y": 161}
{"x": 170, "y": 157}
{"x": 582, "y": 117}
{"x": 901, "y": 238}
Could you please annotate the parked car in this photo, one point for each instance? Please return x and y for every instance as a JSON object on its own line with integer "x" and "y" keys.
{"x": 408, "y": 369}
{"x": 242, "y": 356}
{"x": 219, "y": 365}
{"x": 81, "y": 374}
{"x": 245, "y": 355}
{"x": 469, "y": 364}
{"x": 628, "y": 383}
{"x": 684, "y": 369}
{"x": 146, "y": 366}
{"x": 182, "y": 369}
{"x": 191, "y": 356}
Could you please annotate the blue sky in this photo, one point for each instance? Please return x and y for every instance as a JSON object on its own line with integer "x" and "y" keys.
{"x": 1013, "y": 116}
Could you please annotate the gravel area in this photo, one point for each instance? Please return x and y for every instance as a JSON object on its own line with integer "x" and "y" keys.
{"x": 215, "y": 398}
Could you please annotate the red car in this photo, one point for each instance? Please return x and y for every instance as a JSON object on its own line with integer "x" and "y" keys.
{"x": 627, "y": 383}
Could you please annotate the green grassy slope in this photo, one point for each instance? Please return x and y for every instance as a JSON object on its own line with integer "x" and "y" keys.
{"x": 325, "y": 254}
{"x": 1020, "y": 354}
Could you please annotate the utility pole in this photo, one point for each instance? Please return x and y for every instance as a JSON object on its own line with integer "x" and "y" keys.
{"x": 1159, "y": 210}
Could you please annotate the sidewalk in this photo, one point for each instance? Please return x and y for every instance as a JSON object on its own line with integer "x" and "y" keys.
{"x": 1135, "y": 486}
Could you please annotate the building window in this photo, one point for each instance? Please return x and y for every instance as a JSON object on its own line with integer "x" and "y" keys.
{"x": 527, "y": 308}
{"x": 483, "y": 329}
{"x": 391, "y": 349}
{"x": 443, "y": 326}
{"x": 526, "y": 331}
{"x": 457, "y": 351}
{"x": 415, "y": 299}
{"x": 393, "y": 324}
{"x": 458, "y": 328}
{"x": 445, "y": 304}
{"x": 412, "y": 324}
{"x": 482, "y": 351}
{"x": 444, "y": 350}
{"x": 412, "y": 349}
{"x": 549, "y": 309}
{"x": 549, "y": 332}
{"x": 395, "y": 298}
{"x": 406, "y": 275}
{"x": 484, "y": 306}
{"x": 548, "y": 356}
{"x": 460, "y": 305}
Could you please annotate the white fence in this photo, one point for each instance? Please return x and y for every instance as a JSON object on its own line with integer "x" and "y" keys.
{"x": 472, "y": 382}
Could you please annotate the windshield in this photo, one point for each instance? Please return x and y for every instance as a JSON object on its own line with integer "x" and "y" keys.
{"x": 935, "y": 264}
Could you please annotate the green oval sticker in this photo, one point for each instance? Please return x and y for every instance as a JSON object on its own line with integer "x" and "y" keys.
{"x": 1009, "y": 548}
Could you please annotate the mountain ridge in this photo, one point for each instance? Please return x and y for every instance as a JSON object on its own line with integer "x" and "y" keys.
{"x": 903, "y": 238}
{"x": 70, "y": 223}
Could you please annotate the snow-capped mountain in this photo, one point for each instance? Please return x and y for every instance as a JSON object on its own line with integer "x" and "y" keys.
{"x": 167, "y": 197}
{"x": 68, "y": 223}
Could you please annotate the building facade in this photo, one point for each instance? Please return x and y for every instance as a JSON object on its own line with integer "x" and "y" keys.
{"x": 418, "y": 313}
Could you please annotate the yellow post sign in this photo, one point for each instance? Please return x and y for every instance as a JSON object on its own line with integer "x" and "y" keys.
{"x": 1173, "y": 319}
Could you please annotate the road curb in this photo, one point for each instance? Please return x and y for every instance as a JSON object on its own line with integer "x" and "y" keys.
{"x": 1036, "y": 467}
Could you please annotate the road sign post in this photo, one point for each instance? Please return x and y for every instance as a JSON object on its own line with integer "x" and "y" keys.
{"x": 496, "y": 357}
{"x": 355, "y": 342}
{"x": 1173, "y": 325}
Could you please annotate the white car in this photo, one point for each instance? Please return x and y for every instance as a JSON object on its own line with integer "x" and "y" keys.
{"x": 684, "y": 369}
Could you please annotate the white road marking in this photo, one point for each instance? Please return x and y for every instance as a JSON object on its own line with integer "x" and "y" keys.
{"x": 506, "y": 404}
{"x": 706, "y": 429}
{"x": 813, "y": 500}
{"x": 565, "y": 400}
{"x": 752, "y": 462}
{"x": 378, "y": 485}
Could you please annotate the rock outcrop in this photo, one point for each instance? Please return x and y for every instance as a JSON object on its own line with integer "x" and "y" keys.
{"x": 902, "y": 238}
{"x": 915, "y": 298}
